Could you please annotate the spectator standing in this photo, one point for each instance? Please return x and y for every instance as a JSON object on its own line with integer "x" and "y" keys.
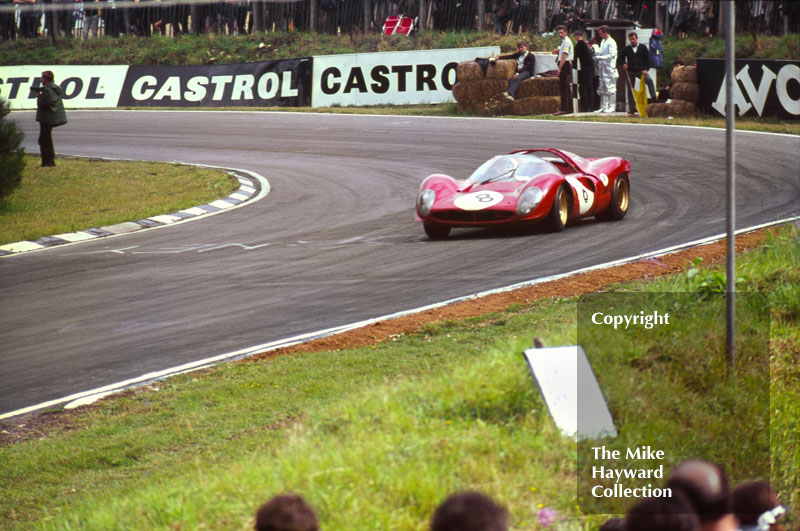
{"x": 565, "y": 53}
{"x": 683, "y": 20}
{"x": 469, "y": 511}
{"x": 29, "y": 17}
{"x": 503, "y": 10}
{"x": 585, "y": 62}
{"x": 525, "y": 68}
{"x": 49, "y": 113}
{"x": 656, "y": 51}
{"x": 606, "y": 62}
{"x": 90, "y": 15}
{"x": 7, "y": 22}
{"x": 595, "y": 46}
{"x": 635, "y": 61}
{"x": 286, "y": 512}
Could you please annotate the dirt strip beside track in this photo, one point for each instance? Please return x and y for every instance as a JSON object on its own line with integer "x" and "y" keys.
{"x": 593, "y": 281}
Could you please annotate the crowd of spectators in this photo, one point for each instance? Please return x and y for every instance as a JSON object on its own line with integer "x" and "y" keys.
{"x": 54, "y": 18}
{"x": 701, "y": 500}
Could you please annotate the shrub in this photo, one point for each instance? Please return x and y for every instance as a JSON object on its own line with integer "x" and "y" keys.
{"x": 12, "y": 160}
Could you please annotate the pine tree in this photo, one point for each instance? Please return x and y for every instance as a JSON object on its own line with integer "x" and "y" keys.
{"x": 12, "y": 156}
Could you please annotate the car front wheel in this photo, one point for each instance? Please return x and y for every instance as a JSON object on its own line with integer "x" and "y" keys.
{"x": 559, "y": 212}
{"x": 620, "y": 199}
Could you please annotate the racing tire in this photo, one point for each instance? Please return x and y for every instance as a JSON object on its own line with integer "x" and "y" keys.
{"x": 559, "y": 212}
{"x": 620, "y": 199}
{"x": 436, "y": 232}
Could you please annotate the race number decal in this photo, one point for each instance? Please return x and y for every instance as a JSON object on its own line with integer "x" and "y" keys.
{"x": 584, "y": 196}
{"x": 478, "y": 200}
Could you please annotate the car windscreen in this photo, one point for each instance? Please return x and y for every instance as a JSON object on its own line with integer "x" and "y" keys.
{"x": 511, "y": 167}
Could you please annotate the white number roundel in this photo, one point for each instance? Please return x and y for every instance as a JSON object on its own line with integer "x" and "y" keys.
{"x": 478, "y": 200}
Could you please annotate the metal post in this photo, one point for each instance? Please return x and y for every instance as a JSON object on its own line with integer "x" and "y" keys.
{"x": 730, "y": 183}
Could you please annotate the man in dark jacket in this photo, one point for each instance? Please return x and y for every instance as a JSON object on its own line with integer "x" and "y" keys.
{"x": 49, "y": 113}
{"x": 635, "y": 61}
{"x": 525, "y": 68}
{"x": 585, "y": 57}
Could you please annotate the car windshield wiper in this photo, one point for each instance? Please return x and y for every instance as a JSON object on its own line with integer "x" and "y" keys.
{"x": 490, "y": 179}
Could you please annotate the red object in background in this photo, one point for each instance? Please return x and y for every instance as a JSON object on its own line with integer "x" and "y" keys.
{"x": 398, "y": 25}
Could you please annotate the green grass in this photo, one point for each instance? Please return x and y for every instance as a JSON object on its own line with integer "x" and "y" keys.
{"x": 375, "y": 437}
{"x": 225, "y": 49}
{"x": 80, "y": 194}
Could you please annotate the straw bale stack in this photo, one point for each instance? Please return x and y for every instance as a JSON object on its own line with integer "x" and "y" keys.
{"x": 496, "y": 105}
{"x": 540, "y": 105}
{"x": 538, "y": 87}
{"x": 685, "y": 92}
{"x": 477, "y": 91}
{"x": 681, "y": 108}
{"x": 655, "y": 110}
{"x": 470, "y": 71}
{"x": 684, "y": 74}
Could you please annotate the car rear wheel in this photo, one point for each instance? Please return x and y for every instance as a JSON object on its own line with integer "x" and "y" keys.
{"x": 620, "y": 199}
{"x": 559, "y": 212}
{"x": 436, "y": 232}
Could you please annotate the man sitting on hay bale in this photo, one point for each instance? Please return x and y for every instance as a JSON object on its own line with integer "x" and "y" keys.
{"x": 525, "y": 63}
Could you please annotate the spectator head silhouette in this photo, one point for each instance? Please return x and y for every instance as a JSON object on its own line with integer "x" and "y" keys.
{"x": 469, "y": 511}
{"x": 662, "y": 514}
{"x": 757, "y": 507}
{"x": 286, "y": 512}
{"x": 706, "y": 488}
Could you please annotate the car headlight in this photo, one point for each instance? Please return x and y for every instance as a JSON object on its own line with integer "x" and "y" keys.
{"x": 425, "y": 202}
{"x": 529, "y": 200}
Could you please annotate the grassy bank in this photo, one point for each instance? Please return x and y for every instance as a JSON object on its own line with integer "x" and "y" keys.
{"x": 375, "y": 437}
{"x": 224, "y": 49}
{"x": 80, "y": 194}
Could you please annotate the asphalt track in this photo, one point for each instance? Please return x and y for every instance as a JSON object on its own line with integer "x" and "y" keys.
{"x": 335, "y": 241}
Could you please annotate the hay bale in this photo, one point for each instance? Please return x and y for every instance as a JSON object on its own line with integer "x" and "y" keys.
{"x": 681, "y": 108}
{"x": 538, "y": 87}
{"x": 656, "y": 109}
{"x": 501, "y": 70}
{"x": 540, "y": 105}
{"x": 685, "y": 91}
{"x": 496, "y": 105}
{"x": 477, "y": 91}
{"x": 470, "y": 71}
{"x": 684, "y": 74}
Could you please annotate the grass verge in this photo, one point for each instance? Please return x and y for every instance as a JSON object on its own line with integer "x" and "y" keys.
{"x": 80, "y": 194}
{"x": 376, "y": 437}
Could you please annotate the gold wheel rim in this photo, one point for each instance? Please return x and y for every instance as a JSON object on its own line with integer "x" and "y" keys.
{"x": 622, "y": 194}
{"x": 562, "y": 208}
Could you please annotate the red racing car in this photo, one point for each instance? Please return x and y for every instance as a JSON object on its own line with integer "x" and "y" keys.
{"x": 526, "y": 186}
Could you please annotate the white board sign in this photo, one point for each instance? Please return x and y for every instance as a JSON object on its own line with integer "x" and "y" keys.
{"x": 567, "y": 383}
{"x": 389, "y": 78}
{"x": 84, "y": 86}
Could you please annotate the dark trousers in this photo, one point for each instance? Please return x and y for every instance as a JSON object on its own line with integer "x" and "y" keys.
{"x": 585, "y": 91}
{"x": 514, "y": 83}
{"x": 46, "y": 145}
{"x": 565, "y": 87}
